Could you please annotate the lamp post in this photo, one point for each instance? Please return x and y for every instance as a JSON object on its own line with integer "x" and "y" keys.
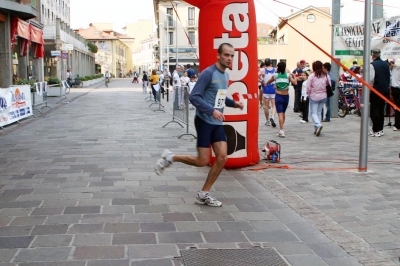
{"x": 168, "y": 15}
{"x": 176, "y": 22}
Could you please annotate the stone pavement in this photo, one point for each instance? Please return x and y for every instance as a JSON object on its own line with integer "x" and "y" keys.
{"x": 77, "y": 187}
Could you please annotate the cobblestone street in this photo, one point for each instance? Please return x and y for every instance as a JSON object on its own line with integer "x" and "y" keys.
{"x": 77, "y": 188}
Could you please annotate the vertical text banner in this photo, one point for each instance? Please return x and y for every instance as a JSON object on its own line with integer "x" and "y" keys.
{"x": 234, "y": 22}
{"x": 385, "y": 35}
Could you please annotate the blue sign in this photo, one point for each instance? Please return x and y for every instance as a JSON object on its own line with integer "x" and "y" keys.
{"x": 64, "y": 55}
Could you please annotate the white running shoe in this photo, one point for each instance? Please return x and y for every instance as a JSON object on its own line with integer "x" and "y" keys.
{"x": 268, "y": 123}
{"x": 371, "y": 133}
{"x": 303, "y": 121}
{"x": 395, "y": 129}
{"x": 381, "y": 132}
{"x": 204, "y": 198}
{"x": 164, "y": 162}
{"x": 281, "y": 134}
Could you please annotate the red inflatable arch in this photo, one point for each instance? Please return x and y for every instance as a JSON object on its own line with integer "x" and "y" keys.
{"x": 234, "y": 22}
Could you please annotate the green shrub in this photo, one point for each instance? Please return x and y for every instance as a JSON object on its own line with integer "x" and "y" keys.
{"x": 25, "y": 82}
{"x": 83, "y": 78}
{"x": 53, "y": 80}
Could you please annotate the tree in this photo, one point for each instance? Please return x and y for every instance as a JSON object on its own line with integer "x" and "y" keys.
{"x": 92, "y": 47}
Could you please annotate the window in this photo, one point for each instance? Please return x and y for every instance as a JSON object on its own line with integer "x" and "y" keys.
{"x": 170, "y": 38}
{"x": 170, "y": 17}
{"x": 192, "y": 37}
{"x": 191, "y": 16}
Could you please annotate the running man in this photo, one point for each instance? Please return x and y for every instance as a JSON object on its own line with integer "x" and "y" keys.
{"x": 209, "y": 98}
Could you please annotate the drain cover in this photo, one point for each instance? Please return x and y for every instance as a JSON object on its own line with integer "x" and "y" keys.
{"x": 232, "y": 257}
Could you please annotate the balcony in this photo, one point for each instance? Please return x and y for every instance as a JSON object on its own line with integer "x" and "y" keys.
{"x": 191, "y": 24}
{"x": 24, "y": 9}
{"x": 169, "y": 24}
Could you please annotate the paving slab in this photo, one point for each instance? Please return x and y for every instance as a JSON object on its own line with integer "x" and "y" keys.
{"x": 77, "y": 188}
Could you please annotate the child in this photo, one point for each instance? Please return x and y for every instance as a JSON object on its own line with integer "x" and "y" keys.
{"x": 304, "y": 101}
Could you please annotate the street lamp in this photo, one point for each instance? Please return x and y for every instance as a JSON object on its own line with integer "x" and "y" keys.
{"x": 168, "y": 15}
{"x": 176, "y": 22}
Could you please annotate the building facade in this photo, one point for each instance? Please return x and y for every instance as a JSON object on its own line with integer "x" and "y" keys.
{"x": 56, "y": 17}
{"x": 285, "y": 44}
{"x": 113, "y": 54}
{"x": 21, "y": 48}
{"x": 173, "y": 44}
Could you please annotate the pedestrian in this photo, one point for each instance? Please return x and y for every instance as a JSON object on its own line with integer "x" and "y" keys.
{"x": 269, "y": 94}
{"x": 185, "y": 79}
{"x": 190, "y": 71}
{"x": 395, "y": 90}
{"x": 261, "y": 74}
{"x": 209, "y": 98}
{"x": 327, "y": 70}
{"x": 380, "y": 79}
{"x": 145, "y": 81}
{"x": 167, "y": 77}
{"x": 282, "y": 81}
{"x": 304, "y": 101}
{"x": 135, "y": 77}
{"x": 316, "y": 91}
{"x": 154, "y": 79}
{"x": 297, "y": 88}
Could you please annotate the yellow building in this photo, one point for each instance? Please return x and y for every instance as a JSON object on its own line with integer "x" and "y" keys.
{"x": 113, "y": 52}
{"x": 315, "y": 23}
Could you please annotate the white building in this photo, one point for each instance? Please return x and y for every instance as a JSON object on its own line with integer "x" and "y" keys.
{"x": 173, "y": 42}
{"x": 145, "y": 55}
{"x": 52, "y": 9}
{"x": 55, "y": 16}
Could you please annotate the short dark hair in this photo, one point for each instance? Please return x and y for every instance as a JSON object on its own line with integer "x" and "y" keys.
{"x": 188, "y": 65}
{"x": 354, "y": 62}
{"x": 268, "y": 61}
{"x": 281, "y": 67}
{"x": 262, "y": 64}
{"x": 328, "y": 66}
{"x": 221, "y": 47}
{"x": 357, "y": 70}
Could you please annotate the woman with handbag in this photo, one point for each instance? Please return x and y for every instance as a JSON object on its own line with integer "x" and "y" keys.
{"x": 318, "y": 85}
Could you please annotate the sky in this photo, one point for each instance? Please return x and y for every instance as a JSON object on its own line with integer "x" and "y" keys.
{"x": 122, "y": 12}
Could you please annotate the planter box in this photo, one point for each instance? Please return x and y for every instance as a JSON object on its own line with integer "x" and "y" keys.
{"x": 86, "y": 83}
{"x": 53, "y": 90}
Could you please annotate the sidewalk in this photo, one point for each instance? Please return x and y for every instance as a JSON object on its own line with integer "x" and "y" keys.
{"x": 77, "y": 188}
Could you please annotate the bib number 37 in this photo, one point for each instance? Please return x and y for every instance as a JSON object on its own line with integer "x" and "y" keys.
{"x": 220, "y": 99}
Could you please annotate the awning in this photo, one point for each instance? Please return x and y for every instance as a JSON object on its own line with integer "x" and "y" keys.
{"x": 27, "y": 33}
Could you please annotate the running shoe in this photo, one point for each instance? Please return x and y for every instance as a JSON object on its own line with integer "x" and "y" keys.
{"x": 272, "y": 122}
{"x": 381, "y": 132}
{"x": 303, "y": 121}
{"x": 164, "y": 162}
{"x": 371, "y": 133}
{"x": 268, "y": 123}
{"x": 204, "y": 198}
{"x": 395, "y": 129}
{"x": 281, "y": 134}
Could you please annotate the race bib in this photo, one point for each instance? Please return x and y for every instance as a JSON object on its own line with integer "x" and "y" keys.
{"x": 220, "y": 99}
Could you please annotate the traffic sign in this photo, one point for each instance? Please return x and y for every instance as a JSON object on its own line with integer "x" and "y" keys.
{"x": 67, "y": 47}
{"x": 55, "y": 53}
{"x": 55, "y": 59}
{"x": 64, "y": 55}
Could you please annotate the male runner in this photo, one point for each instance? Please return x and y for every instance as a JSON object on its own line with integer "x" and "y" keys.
{"x": 209, "y": 98}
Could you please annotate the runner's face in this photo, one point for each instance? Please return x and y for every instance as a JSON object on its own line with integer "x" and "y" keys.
{"x": 226, "y": 57}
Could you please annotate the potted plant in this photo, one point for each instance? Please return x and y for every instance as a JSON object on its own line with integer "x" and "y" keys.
{"x": 85, "y": 81}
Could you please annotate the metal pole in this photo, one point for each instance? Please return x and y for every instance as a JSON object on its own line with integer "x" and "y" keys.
{"x": 168, "y": 41}
{"x": 176, "y": 26}
{"x": 377, "y": 9}
{"x": 363, "y": 156}
{"x": 161, "y": 50}
{"x": 335, "y": 67}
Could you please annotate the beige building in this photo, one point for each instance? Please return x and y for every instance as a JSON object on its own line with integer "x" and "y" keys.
{"x": 113, "y": 54}
{"x": 171, "y": 33}
{"x": 141, "y": 30}
{"x": 315, "y": 23}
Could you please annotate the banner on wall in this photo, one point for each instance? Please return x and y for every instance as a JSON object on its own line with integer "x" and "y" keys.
{"x": 385, "y": 35}
{"x": 226, "y": 21}
{"x": 15, "y": 104}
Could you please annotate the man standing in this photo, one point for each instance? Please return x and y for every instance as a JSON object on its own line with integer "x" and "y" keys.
{"x": 297, "y": 89}
{"x": 380, "y": 79}
{"x": 354, "y": 65}
{"x": 395, "y": 89}
{"x": 209, "y": 98}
